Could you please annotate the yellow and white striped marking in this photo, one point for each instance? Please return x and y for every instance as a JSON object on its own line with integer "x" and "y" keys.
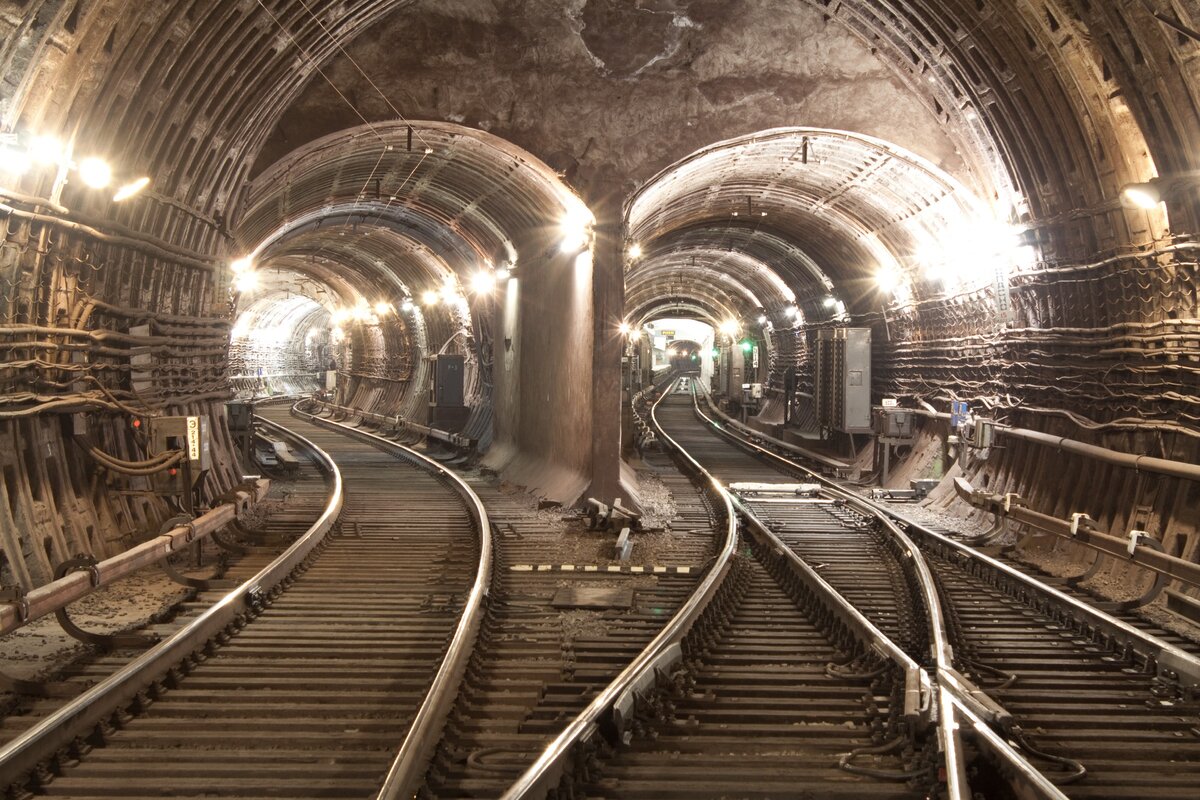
{"x": 622, "y": 569}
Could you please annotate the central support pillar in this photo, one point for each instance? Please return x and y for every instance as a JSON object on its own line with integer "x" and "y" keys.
{"x": 608, "y": 298}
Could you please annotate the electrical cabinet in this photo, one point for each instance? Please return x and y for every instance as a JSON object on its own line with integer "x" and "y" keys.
{"x": 735, "y": 369}
{"x": 447, "y": 392}
{"x": 240, "y": 414}
{"x": 188, "y": 435}
{"x": 446, "y": 380}
{"x": 843, "y": 379}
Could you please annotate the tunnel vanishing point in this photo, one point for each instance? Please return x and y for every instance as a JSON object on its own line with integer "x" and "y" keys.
{"x": 915, "y": 240}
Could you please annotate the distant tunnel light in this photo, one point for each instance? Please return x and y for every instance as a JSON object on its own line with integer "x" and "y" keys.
{"x": 1145, "y": 196}
{"x": 730, "y": 327}
{"x": 383, "y": 308}
{"x": 240, "y": 265}
{"x": 635, "y": 250}
{"x": 791, "y": 312}
{"x": 95, "y": 172}
{"x": 407, "y": 306}
{"x": 830, "y": 302}
{"x": 130, "y": 189}
{"x": 430, "y": 298}
{"x": 762, "y": 319}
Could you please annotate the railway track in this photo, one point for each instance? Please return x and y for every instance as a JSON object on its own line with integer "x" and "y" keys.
{"x": 763, "y": 685}
{"x": 1077, "y": 693}
{"x": 295, "y": 503}
{"x": 565, "y": 614}
{"x": 305, "y": 680}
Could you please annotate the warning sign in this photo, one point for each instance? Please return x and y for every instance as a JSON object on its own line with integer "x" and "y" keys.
{"x": 193, "y": 438}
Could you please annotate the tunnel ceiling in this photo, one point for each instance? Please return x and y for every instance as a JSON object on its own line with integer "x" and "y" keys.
{"x": 801, "y": 212}
{"x": 1042, "y": 110}
{"x": 440, "y": 177}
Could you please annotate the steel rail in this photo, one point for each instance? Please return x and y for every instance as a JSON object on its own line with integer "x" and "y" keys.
{"x": 1168, "y": 660}
{"x": 913, "y": 563}
{"x": 407, "y": 771}
{"x": 40, "y": 743}
{"x": 920, "y": 706}
{"x": 958, "y": 697}
{"x": 617, "y": 699}
{"x": 58, "y": 594}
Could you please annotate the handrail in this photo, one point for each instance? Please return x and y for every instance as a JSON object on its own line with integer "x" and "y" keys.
{"x": 59, "y": 729}
{"x": 456, "y": 439}
{"x": 60, "y": 593}
{"x": 407, "y": 771}
{"x": 640, "y": 673}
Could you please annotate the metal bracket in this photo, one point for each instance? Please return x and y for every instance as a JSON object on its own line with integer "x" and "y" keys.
{"x": 106, "y": 641}
{"x": 1161, "y": 579}
{"x": 227, "y": 545}
{"x": 200, "y": 584}
{"x": 16, "y": 596}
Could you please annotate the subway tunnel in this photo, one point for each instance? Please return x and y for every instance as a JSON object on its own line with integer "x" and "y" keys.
{"x": 608, "y": 275}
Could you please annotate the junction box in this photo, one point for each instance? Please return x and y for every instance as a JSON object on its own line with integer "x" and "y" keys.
{"x": 447, "y": 391}
{"x": 843, "y": 379}
{"x": 188, "y": 434}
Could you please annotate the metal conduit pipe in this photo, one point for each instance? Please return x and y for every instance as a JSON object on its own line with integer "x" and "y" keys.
{"x": 1108, "y": 544}
{"x": 60, "y": 593}
{"x": 157, "y": 249}
{"x": 1161, "y": 466}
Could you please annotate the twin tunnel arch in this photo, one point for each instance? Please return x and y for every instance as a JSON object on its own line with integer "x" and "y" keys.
{"x": 377, "y": 247}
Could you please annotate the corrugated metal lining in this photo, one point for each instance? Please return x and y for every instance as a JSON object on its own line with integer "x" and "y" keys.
{"x": 804, "y": 202}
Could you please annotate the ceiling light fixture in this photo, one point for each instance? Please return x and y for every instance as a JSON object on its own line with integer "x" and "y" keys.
{"x": 95, "y": 172}
{"x": 131, "y": 189}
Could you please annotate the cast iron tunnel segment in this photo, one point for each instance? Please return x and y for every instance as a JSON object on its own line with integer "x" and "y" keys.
{"x": 304, "y": 681}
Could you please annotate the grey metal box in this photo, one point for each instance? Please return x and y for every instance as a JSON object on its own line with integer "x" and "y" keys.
{"x": 446, "y": 388}
{"x": 843, "y": 379}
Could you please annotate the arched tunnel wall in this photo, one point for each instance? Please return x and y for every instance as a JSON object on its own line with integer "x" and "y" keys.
{"x": 1042, "y": 110}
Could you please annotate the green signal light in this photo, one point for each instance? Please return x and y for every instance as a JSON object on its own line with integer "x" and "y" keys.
{"x": 716, "y": 352}
{"x": 747, "y": 347}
